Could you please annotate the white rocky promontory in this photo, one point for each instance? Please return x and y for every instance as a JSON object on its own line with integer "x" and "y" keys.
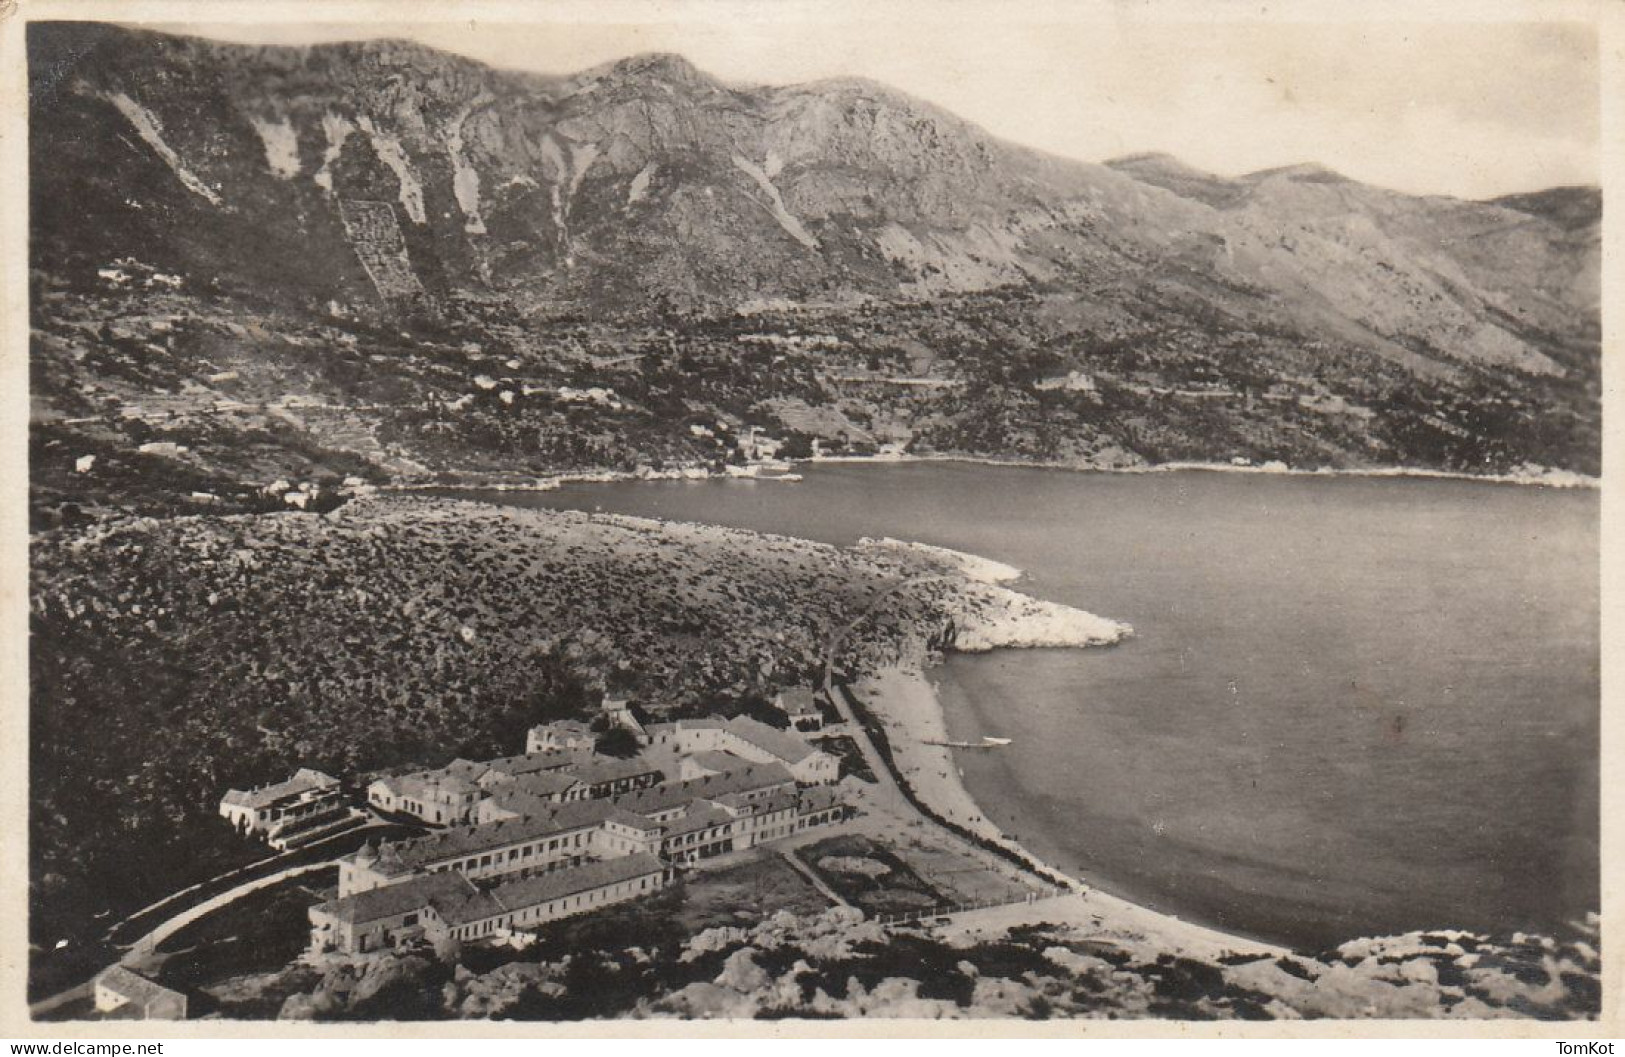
{"x": 1012, "y": 620}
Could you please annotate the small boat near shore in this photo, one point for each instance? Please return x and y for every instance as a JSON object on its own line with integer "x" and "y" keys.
{"x": 985, "y": 743}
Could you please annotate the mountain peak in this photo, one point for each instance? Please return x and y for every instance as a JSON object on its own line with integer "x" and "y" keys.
{"x": 667, "y": 66}
{"x": 1303, "y": 172}
{"x": 1574, "y": 207}
{"x": 1147, "y": 158}
{"x": 1163, "y": 170}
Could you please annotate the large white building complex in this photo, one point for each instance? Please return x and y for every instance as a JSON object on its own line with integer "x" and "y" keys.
{"x": 533, "y": 838}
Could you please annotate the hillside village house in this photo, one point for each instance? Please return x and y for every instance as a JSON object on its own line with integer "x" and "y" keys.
{"x": 442, "y": 797}
{"x": 618, "y": 711}
{"x": 755, "y": 446}
{"x": 121, "y": 994}
{"x": 574, "y": 734}
{"x": 750, "y": 739}
{"x": 288, "y": 814}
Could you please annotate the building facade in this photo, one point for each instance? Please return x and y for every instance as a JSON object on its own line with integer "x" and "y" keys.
{"x": 751, "y": 739}
{"x": 441, "y": 798}
{"x": 431, "y": 908}
{"x": 306, "y": 807}
{"x": 564, "y": 734}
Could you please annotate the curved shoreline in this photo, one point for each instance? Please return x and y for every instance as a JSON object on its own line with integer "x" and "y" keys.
{"x": 903, "y": 703}
{"x": 949, "y": 804}
{"x": 1552, "y": 479}
{"x": 1564, "y": 479}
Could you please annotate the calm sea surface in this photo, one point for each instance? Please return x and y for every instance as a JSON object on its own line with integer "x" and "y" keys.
{"x": 1351, "y": 706}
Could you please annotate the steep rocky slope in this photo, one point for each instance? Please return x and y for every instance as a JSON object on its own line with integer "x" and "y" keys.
{"x": 385, "y": 169}
{"x": 834, "y": 260}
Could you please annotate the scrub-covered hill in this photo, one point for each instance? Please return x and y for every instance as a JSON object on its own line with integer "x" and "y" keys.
{"x": 207, "y": 653}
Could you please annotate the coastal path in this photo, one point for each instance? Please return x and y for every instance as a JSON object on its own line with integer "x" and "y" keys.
{"x": 889, "y": 794}
{"x": 946, "y": 915}
{"x": 833, "y": 648}
{"x": 159, "y": 919}
{"x": 146, "y": 946}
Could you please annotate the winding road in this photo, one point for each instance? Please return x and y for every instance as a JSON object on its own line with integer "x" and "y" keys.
{"x": 148, "y": 942}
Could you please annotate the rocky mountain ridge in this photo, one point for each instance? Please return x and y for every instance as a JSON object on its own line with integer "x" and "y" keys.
{"x": 385, "y": 185}
{"x": 649, "y": 177}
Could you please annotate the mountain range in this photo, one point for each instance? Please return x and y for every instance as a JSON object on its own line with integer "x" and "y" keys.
{"x": 1118, "y": 314}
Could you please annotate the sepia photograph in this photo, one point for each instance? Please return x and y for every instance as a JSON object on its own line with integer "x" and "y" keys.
{"x": 879, "y": 512}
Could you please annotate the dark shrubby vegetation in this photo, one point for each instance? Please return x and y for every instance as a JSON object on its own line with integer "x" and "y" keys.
{"x": 220, "y": 652}
{"x": 481, "y": 394}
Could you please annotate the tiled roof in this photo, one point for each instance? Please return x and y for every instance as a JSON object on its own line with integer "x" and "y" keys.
{"x": 531, "y": 891}
{"x": 436, "y": 889}
{"x": 534, "y": 762}
{"x": 698, "y": 816}
{"x": 565, "y": 726}
{"x": 471, "y": 840}
{"x": 611, "y": 769}
{"x": 719, "y": 761}
{"x": 786, "y": 747}
{"x": 424, "y": 785}
{"x": 633, "y": 821}
{"x": 466, "y": 769}
{"x": 675, "y": 794}
{"x": 797, "y": 701}
{"x": 542, "y": 783}
{"x": 685, "y": 724}
{"x": 738, "y": 802}
{"x": 515, "y": 802}
{"x": 303, "y": 780}
{"x": 475, "y": 907}
{"x": 133, "y": 985}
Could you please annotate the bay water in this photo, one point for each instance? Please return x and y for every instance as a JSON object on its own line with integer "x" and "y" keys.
{"x": 1351, "y": 705}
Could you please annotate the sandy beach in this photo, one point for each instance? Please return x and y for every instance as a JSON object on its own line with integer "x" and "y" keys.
{"x": 906, "y": 706}
{"x": 903, "y": 701}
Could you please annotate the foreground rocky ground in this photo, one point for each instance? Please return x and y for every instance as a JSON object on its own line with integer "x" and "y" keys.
{"x": 833, "y": 964}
